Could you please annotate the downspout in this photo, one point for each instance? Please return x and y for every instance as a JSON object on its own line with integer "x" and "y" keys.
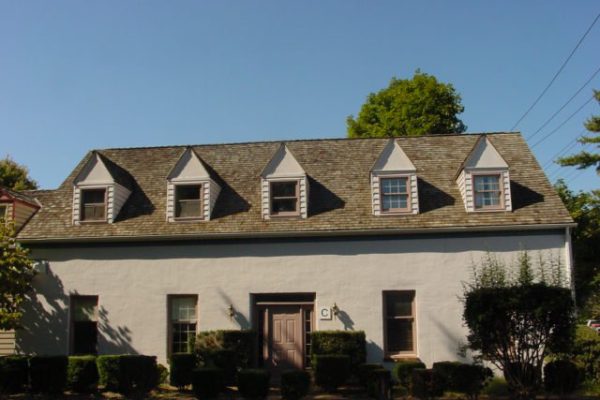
{"x": 569, "y": 263}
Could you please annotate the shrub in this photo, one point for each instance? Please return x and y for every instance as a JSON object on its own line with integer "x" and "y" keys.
{"x": 182, "y": 365}
{"x": 380, "y": 384}
{"x": 523, "y": 379}
{"x": 331, "y": 371}
{"x": 14, "y": 371}
{"x": 48, "y": 374}
{"x": 254, "y": 383}
{"x": 402, "y": 371}
{"x": 350, "y": 343}
{"x": 108, "y": 372}
{"x": 137, "y": 374}
{"x": 561, "y": 377}
{"x": 445, "y": 374}
{"x": 163, "y": 374}
{"x": 364, "y": 373}
{"x": 207, "y": 383}
{"x": 424, "y": 385}
{"x": 496, "y": 387}
{"x": 586, "y": 352}
{"x": 225, "y": 360}
{"x": 470, "y": 379}
{"x": 241, "y": 343}
{"x": 82, "y": 374}
{"x": 294, "y": 384}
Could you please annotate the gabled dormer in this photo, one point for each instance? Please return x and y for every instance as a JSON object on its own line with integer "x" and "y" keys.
{"x": 394, "y": 188}
{"x": 484, "y": 179}
{"x": 16, "y": 207}
{"x": 284, "y": 187}
{"x": 99, "y": 191}
{"x": 191, "y": 191}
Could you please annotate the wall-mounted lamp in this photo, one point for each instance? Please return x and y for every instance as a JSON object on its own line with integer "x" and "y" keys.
{"x": 231, "y": 311}
{"x": 335, "y": 309}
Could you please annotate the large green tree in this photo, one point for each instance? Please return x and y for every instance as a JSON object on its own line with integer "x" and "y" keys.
{"x": 409, "y": 107}
{"x": 15, "y": 176}
{"x": 585, "y": 159}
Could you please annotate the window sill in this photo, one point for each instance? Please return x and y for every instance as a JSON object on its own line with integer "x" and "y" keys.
{"x": 93, "y": 222}
{"x": 401, "y": 356}
{"x": 395, "y": 213}
{"x": 188, "y": 219}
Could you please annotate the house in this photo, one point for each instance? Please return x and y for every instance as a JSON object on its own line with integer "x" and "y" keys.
{"x": 141, "y": 248}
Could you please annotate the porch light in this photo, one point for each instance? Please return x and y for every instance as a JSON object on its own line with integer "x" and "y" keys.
{"x": 231, "y": 311}
{"x": 335, "y": 309}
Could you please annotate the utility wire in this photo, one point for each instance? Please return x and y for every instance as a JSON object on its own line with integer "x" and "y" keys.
{"x": 567, "y": 147}
{"x": 564, "y": 105}
{"x": 563, "y": 123}
{"x": 564, "y": 64}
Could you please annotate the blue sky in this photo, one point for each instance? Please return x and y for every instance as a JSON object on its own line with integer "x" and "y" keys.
{"x": 77, "y": 75}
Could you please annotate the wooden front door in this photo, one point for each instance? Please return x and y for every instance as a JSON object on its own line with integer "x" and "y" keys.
{"x": 283, "y": 346}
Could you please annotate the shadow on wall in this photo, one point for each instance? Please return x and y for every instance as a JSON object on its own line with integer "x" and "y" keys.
{"x": 453, "y": 343}
{"x": 239, "y": 318}
{"x": 46, "y": 322}
{"x": 345, "y": 319}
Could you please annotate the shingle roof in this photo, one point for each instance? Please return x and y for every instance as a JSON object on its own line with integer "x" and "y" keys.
{"x": 339, "y": 179}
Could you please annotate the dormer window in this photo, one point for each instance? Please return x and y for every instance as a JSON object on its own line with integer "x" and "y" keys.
{"x": 93, "y": 205}
{"x": 395, "y": 196}
{"x": 284, "y": 198}
{"x": 487, "y": 191}
{"x": 188, "y": 201}
{"x": 3, "y": 212}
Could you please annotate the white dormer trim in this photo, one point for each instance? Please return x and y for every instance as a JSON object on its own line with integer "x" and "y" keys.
{"x": 394, "y": 163}
{"x": 96, "y": 175}
{"x": 283, "y": 167}
{"x": 484, "y": 159}
{"x": 191, "y": 170}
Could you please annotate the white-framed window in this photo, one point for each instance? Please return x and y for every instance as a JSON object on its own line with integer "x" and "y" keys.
{"x": 3, "y": 212}
{"x": 93, "y": 204}
{"x": 395, "y": 194}
{"x": 487, "y": 191}
{"x": 285, "y": 198}
{"x": 182, "y": 322}
{"x": 188, "y": 201}
{"x": 84, "y": 324}
{"x": 399, "y": 321}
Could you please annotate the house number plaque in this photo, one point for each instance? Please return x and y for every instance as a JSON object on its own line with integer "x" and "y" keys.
{"x": 324, "y": 313}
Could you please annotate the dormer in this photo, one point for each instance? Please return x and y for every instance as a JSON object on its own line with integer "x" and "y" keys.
{"x": 191, "y": 191}
{"x": 99, "y": 192}
{"x": 484, "y": 179}
{"x": 284, "y": 187}
{"x": 16, "y": 207}
{"x": 394, "y": 188}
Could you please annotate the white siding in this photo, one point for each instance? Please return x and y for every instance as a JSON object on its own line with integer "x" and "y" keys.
{"x": 265, "y": 196}
{"x": 7, "y": 343}
{"x": 215, "y": 190}
{"x": 76, "y": 205}
{"x": 120, "y": 196}
{"x": 376, "y": 191}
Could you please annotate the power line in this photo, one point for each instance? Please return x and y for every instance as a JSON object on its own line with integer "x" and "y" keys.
{"x": 564, "y": 105}
{"x": 563, "y": 123}
{"x": 567, "y": 147}
{"x": 564, "y": 64}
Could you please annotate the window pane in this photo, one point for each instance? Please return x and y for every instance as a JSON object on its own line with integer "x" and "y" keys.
{"x": 283, "y": 189}
{"x": 188, "y": 201}
{"x": 85, "y": 337}
{"x": 90, "y": 196}
{"x": 183, "y": 309}
{"x": 399, "y": 304}
{"x": 283, "y": 205}
{"x": 395, "y": 201}
{"x": 487, "y": 182}
{"x": 187, "y": 192}
{"x": 182, "y": 333}
{"x": 399, "y": 335}
{"x": 3, "y": 212}
{"x": 393, "y": 185}
{"x": 85, "y": 308}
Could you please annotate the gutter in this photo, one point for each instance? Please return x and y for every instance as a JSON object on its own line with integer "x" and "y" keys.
{"x": 290, "y": 234}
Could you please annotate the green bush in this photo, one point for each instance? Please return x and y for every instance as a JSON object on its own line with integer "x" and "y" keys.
{"x": 82, "y": 374}
{"x": 402, "y": 371}
{"x": 350, "y": 343}
{"x": 496, "y": 387}
{"x": 561, "y": 377}
{"x": 226, "y": 360}
{"x": 470, "y": 379}
{"x": 48, "y": 374}
{"x": 586, "y": 352}
{"x": 445, "y": 374}
{"x": 254, "y": 383}
{"x": 108, "y": 372}
{"x": 380, "y": 381}
{"x": 163, "y": 374}
{"x": 207, "y": 382}
{"x": 241, "y": 342}
{"x": 14, "y": 371}
{"x": 138, "y": 374}
{"x": 424, "y": 385}
{"x": 365, "y": 372}
{"x": 331, "y": 370}
{"x": 294, "y": 384}
{"x": 182, "y": 365}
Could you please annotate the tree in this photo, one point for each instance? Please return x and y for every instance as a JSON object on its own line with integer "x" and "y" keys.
{"x": 15, "y": 176}
{"x": 584, "y": 208}
{"x": 409, "y": 107}
{"x": 16, "y": 272}
{"x": 514, "y": 322}
{"x": 585, "y": 159}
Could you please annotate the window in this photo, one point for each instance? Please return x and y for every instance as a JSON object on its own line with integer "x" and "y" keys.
{"x": 284, "y": 198}
{"x": 399, "y": 321}
{"x": 3, "y": 212}
{"x": 487, "y": 191}
{"x": 188, "y": 201}
{"x": 394, "y": 194}
{"x": 93, "y": 204}
{"x": 84, "y": 324}
{"x": 182, "y": 322}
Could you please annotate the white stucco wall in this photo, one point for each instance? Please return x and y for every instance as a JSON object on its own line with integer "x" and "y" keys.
{"x": 133, "y": 282}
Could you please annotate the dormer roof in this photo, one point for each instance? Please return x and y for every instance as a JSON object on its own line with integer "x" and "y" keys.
{"x": 11, "y": 195}
{"x": 283, "y": 165}
{"x": 189, "y": 167}
{"x": 484, "y": 156}
{"x": 393, "y": 159}
{"x": 99, "y": 170}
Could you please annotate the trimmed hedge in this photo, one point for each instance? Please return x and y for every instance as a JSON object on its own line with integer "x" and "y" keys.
{"x": 207, "y": 383}
{"x": 331, "y": 370}
{"x": 294, "y": 384}
{"x": 241, "y": 342}
{"x": 365, "y": 373}
{"x": 48, "y": 374}
{"x": 380, "y": 384}
{"x": 225, "y": 359}
{"x": 182, "y": 365}
{"x": 350, "y": 343}
{"x": 424, "y": 385}
{"x": 445, "y": 374}
{"x": 254, "y": 383}
{"x": 128, "y": 374}
{"x": 82, "y": 374}
{"x": 561, "y": 377}
{"x": 470, "y": 379}
{"x": 108, "y": 372}
{"x": 14, "y": 374}
{"x": 402, "y": 371}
